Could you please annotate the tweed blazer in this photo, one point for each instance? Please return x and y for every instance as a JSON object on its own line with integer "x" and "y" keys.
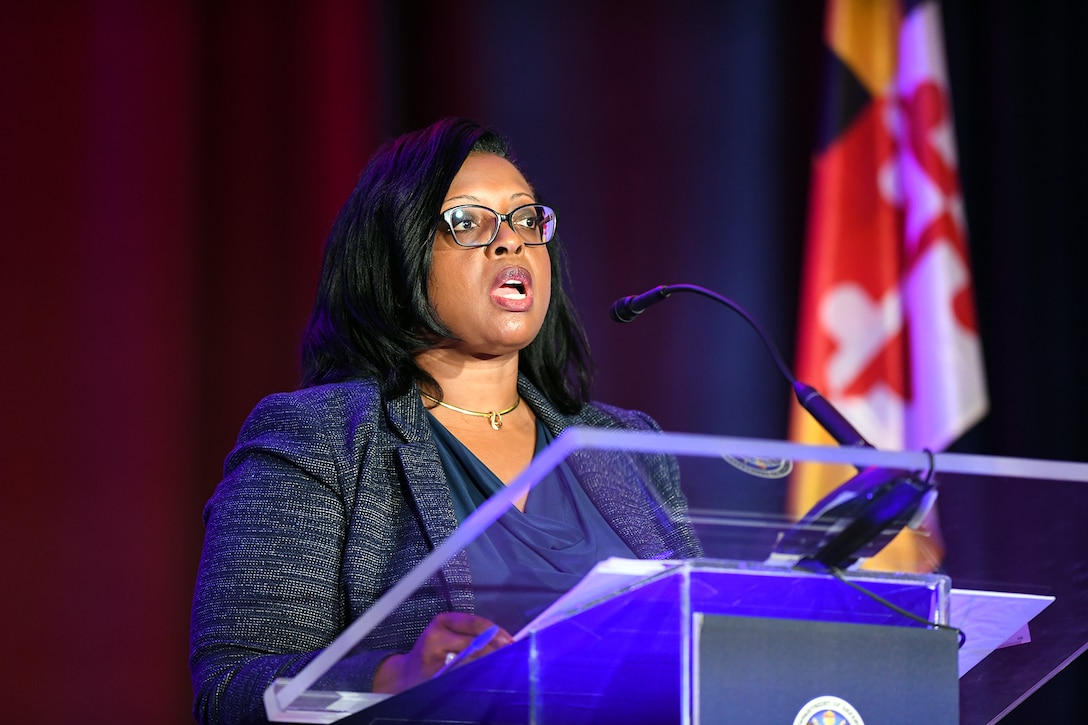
{"x": 333, "y": 494}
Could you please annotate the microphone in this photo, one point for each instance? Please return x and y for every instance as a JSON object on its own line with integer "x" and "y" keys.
{"x": 859, "y": 517}
{"x": 628, "y": 308}
{"x": 828, "y": 416}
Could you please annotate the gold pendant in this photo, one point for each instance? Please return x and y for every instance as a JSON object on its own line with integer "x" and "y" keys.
{"x": 496, "y": 420}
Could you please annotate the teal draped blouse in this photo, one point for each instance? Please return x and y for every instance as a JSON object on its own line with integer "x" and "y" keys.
{"x": 526, "y": 560}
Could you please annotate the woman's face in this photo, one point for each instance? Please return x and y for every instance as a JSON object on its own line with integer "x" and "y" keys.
{"x": 493, "y": 298}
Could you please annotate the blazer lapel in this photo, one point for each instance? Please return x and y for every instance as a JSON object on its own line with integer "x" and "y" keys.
{"x": 427, "y": 486}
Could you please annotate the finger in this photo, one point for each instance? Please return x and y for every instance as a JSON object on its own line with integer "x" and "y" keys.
{"x": 447, "y": 634}
{"x": 501, "y": 639}
{"x": 455, "y": 634}
{"x": 475, "y": 649}
{"x": 462, "y": 623}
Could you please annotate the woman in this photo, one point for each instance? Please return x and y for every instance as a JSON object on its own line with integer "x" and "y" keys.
{"x": 441, "y": 356}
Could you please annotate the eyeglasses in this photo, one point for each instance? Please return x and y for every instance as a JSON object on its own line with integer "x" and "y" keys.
{"x": 477, "y": 226}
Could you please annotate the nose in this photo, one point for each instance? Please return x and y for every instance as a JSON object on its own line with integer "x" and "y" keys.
{"x": 506, "y": 241}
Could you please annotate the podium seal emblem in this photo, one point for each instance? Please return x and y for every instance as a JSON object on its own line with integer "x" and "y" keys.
{"x": 828, "y": 710}
{"x": 761, "y": 467}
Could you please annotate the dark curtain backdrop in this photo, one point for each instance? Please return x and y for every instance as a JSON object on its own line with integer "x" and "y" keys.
{"x": 169, "y": 171}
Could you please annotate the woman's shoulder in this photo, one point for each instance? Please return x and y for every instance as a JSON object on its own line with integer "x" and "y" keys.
{"x": 322, "y": 407}
{"x": 611, "y": 416}
{"x": 324, "y": 426}
{"x": 592, "y": 413}
{"x": 328, "y": 395}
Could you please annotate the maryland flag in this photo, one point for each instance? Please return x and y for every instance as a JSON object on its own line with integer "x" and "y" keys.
{"x": 887, "y": 327}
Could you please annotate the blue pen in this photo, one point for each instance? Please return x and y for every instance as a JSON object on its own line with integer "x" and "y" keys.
{"x": 474, "y": 646}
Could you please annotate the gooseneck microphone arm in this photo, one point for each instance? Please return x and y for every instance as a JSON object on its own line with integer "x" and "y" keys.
{"x": 627, "y": 308}
{"x": 858, "y": 518}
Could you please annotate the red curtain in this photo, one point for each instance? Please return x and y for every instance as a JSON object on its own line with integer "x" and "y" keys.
{"x": 169, "y": 171}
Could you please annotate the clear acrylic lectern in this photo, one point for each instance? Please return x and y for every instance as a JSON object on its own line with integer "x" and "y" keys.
{"x": 750, "y": 631}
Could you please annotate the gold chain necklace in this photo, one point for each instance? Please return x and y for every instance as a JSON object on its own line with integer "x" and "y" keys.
{"x": 494, "y": 416}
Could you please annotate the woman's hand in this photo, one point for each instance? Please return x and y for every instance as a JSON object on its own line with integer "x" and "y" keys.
{"x": 448, "y": 633}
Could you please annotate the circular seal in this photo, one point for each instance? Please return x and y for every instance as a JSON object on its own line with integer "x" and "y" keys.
{"x": 762, "y": 467}
{"x": 828, "y": 710}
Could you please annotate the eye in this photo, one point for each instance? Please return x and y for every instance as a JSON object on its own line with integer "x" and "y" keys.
{"x": 462, "y": 220}
{"x": 529, "y": 217}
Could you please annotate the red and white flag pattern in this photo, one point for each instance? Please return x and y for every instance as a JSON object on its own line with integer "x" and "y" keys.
{"x": 888, "y": 331}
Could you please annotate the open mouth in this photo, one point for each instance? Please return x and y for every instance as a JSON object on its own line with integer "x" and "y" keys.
{"x": 512, "y": 290}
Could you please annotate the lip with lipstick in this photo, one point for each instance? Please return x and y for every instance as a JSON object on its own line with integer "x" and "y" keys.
{"x": 513, "y": 289}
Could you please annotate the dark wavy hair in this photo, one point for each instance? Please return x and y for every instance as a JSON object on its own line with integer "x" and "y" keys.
{"x": 372, "y": 314}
